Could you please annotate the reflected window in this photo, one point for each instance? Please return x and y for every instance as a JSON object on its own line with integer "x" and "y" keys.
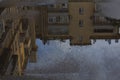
{"x": 51, "y": 19}
{"x": 58, "y": 19}
{"x": 81, "y": 11}
{"x": 81, "y": 23}
{"x": 51, "y": 6}
{"x": 63, "y": 4}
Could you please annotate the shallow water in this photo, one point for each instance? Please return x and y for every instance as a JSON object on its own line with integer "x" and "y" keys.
{"x": 99, "y": 61}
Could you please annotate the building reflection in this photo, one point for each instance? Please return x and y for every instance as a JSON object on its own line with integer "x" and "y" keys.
{"x": 78, "y": 21}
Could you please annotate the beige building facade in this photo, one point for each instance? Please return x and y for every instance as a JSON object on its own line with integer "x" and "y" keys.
{"x": 87, "y": 24}
{"x": 81, "y": 23}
